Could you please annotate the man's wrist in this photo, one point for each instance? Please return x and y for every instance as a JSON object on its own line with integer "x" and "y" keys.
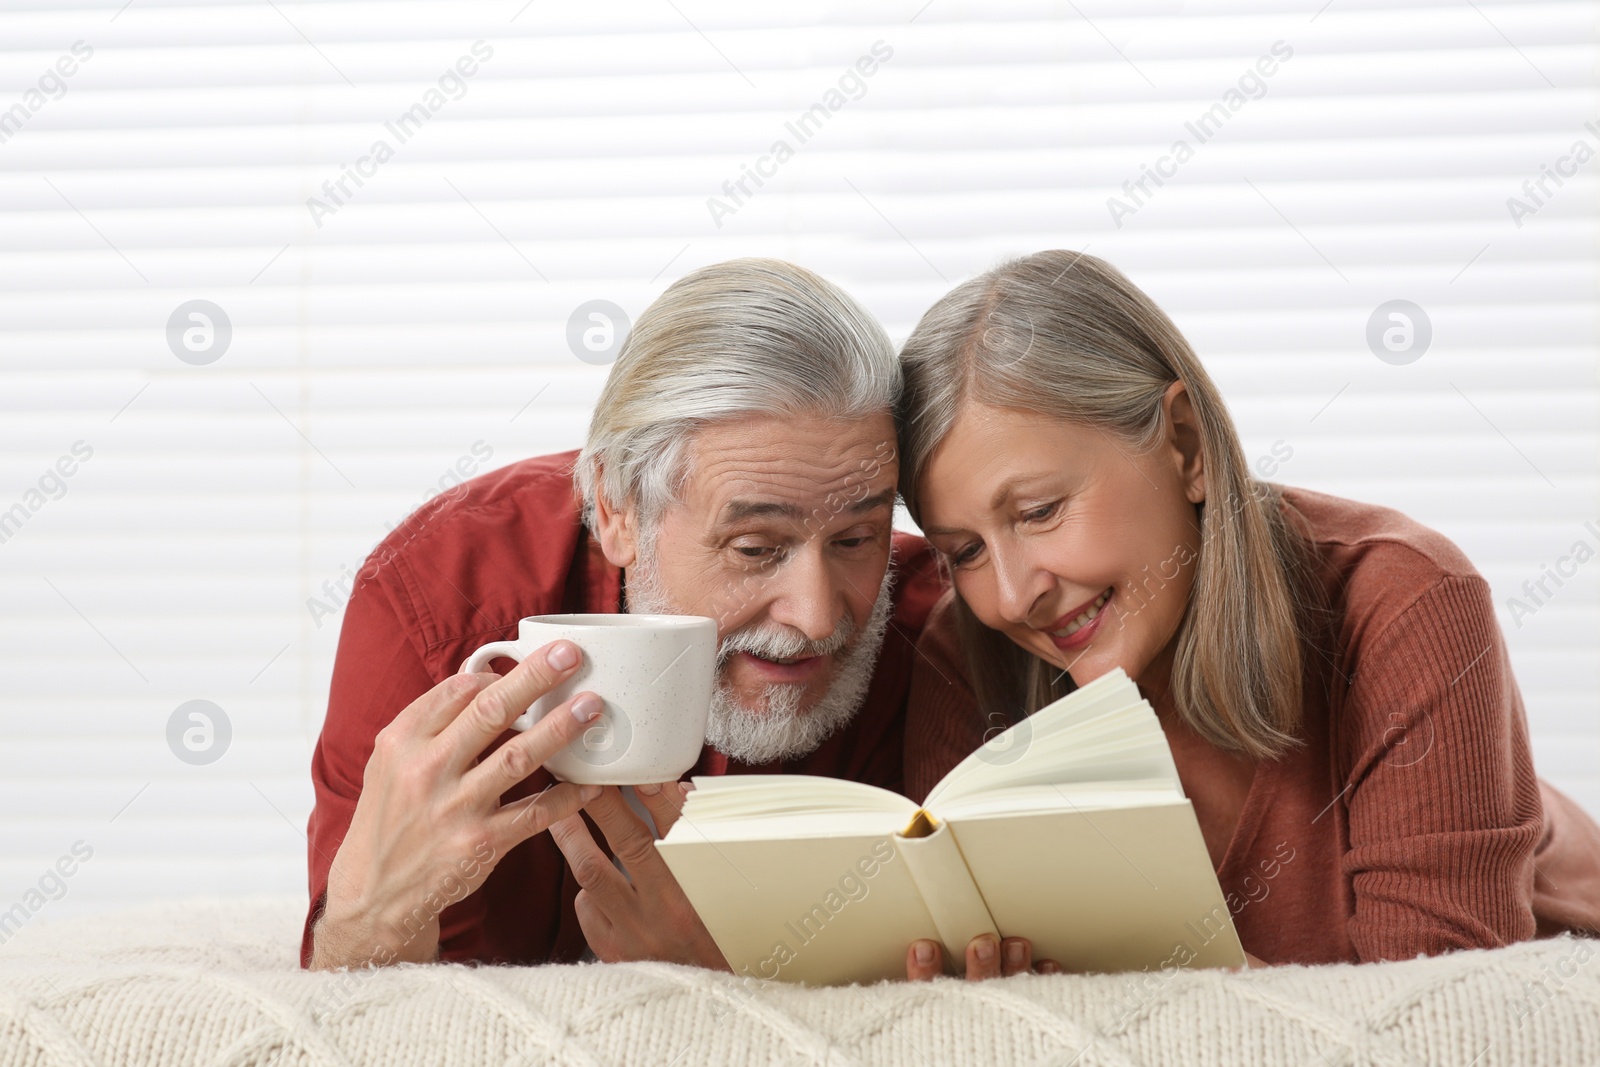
{"x": 349, "y": 934}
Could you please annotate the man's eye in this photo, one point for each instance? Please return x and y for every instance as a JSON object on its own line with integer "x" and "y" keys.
{"x": 852, "y": 542}
{"x": 753, "y": 551}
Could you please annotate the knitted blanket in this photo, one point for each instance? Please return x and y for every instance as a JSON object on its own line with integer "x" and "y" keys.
{"x": 216, "y": 983}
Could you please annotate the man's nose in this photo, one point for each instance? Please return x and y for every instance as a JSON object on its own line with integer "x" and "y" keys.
{"x": 808, "y": 596}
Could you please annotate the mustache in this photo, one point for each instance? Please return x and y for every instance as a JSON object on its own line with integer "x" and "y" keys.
{"x": 781, "y": 642}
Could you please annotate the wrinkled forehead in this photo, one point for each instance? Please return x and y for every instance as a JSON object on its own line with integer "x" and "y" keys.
{"x": 789, "y": 467}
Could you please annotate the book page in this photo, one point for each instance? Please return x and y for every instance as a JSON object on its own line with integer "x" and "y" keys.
{"x": 744, "y": 806}
{"x": 816, "y": 910}
{"x": 1118, "y": 889}
{"x": 1034, "y": 799}
{"x": 1102, "y": 732}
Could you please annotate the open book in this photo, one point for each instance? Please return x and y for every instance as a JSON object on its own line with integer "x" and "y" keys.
{"x": 1070, "y": 828}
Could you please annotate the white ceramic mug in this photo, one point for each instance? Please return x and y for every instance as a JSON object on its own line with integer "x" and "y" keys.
{"x": 655, "y": 674}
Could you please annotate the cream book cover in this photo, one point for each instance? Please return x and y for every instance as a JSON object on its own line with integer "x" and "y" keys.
{"x": 1071, "y": 828}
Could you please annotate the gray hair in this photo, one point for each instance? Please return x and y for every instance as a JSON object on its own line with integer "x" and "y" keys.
{"x": 744, "y": 337}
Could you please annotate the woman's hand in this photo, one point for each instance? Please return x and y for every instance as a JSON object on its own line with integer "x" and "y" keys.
{"x": 987, "y": 957}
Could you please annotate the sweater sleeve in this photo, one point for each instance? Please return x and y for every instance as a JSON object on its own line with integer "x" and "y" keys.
{"x": 943, "y": 726}
{"x": 1443, "y": 804}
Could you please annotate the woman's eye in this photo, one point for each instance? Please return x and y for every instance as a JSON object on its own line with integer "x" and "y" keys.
{"x": 1039, "y": 514}
{"x": 962, "y": 555}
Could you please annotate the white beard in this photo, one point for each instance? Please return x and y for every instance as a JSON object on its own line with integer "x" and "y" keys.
{"x": 778, "y": 728}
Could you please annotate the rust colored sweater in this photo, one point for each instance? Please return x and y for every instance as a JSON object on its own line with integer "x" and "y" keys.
{"x": 1352, "y": 847}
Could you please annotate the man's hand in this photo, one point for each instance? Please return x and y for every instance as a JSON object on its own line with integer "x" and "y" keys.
{"x": 429, "y": 826}
{"x": 644, "y": 915}
{"x": 986, "y": 958}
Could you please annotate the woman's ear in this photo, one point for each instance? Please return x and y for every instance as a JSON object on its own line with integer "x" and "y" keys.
{"x": 1184, "y": 438}
{"x": 616, "y": 528}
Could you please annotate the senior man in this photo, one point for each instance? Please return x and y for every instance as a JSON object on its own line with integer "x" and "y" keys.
{"x": 740, "y": 464}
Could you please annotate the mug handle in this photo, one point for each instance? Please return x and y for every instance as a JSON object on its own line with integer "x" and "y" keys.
{"x": 479, "y": 660}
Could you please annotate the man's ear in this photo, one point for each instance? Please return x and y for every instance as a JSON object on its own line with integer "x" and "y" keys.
{"x": 1184, "y": 441}
{"x": 617, "y": 529}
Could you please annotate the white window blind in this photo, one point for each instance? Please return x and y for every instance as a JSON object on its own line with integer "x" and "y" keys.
{"x": 398, "y": 207}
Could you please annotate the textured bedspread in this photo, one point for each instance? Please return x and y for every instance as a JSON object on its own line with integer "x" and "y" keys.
{"x": 216, "y": 982}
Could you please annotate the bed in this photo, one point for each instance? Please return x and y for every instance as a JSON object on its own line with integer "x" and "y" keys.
{"x": 214, "y": 982}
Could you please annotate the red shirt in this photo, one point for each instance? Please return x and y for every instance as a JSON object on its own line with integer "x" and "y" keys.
{"x": 461, "y": 572}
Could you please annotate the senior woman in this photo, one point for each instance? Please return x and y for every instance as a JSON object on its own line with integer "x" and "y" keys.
{"x": 1329, "y": 673}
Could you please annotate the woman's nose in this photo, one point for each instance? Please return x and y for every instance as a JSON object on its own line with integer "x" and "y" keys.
{"x": 1019, "y": 586}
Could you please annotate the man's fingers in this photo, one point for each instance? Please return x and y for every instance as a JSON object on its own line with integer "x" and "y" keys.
{"x": 1049, "y": 967}
{"x": 630, "y": 839}
{"x": 494, "y": 709}
{"x": 924, "y": 961}
{"x": 597, "y": 927}
{"x": 436, "y": 709}
{"x": 521, "y": 819}
{"x": 527, "y": 751}
{"x": 983, "y": 958}
{"x": 664, "y": 802}
{"x": 590, "y": 866}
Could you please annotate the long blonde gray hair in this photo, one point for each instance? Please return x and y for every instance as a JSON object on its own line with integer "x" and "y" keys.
{"x": 1066, "y": 335}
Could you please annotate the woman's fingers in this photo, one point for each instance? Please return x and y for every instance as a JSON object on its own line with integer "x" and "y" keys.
{"x": 987, "y": 957}
{"x": 983, "y": 958}
{"x": 923, "y": 961}
{"x": 1016, "y": 956}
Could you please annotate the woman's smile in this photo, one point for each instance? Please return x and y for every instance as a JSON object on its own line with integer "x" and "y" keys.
{"x": 1078, "y": 628}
